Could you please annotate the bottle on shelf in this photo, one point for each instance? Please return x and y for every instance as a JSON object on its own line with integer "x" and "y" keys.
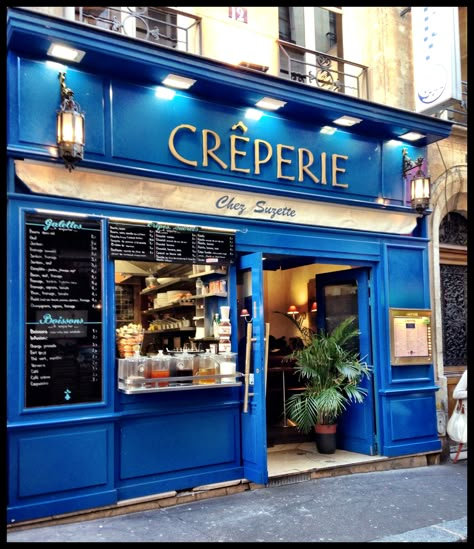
{"x": 215, "y": 326}
{"x": 199, "y": 286}
{"x": 224, "y": 331}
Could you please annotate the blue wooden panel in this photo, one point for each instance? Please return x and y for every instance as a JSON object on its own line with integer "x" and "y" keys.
{"x": 147, "y": 141}
{"x": 58, "y": 462}
{"x": 40, "y": 98}
{"x": 177, "y": 442}
{"x": 407, "y": 286}
{"x": 412, "y": 417}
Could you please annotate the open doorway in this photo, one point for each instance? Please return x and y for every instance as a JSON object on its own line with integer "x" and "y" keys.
{"x": 290, "y": 286}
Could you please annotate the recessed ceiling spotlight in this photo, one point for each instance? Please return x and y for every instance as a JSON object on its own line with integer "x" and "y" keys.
{"x": 270, "y": 104}
{"x": 179, "y": 82}
{"x": 65, "y": 52}
{"x": 412, "y": 136}
{"x": 347, "y": 120}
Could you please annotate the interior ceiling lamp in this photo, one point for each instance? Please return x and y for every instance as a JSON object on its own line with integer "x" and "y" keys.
{"x": 420, "y": 184}
{"x": 314, "y": 307}
{"x": 245, "y": 315}
{"x": 292, "y": 310}
{"x": 70, "y": 127}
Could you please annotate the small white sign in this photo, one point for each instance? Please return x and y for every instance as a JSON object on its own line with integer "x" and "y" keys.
{"x": 436, "y": 58}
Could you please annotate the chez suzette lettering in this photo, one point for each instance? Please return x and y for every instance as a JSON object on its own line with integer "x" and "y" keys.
{"x": 260, "y": 207}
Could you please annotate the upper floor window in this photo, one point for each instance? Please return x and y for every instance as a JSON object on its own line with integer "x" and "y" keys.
{"x": 321, "y": 31}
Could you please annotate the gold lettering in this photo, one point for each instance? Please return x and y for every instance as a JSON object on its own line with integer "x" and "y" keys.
{"x": 234, "y": 151}
{"x": 172, "y": 148}
{"x": 324, "y": 180}
{"x": 256, "y": 149}
{"x": 206, "y": 151}
{"x": 281, "y": 160}
{"x": 335, "y": 169}
{"x": 305, "y": 167}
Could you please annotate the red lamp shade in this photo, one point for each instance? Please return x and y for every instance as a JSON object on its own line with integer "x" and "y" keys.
{"x": 292, "y": 310}
{"x": 314, "y": 307}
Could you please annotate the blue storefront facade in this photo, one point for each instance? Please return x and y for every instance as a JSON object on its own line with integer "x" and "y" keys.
{"x": 278, "y": 185}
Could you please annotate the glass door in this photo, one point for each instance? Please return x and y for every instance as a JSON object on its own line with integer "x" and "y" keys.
{"x": 341, "y": 294}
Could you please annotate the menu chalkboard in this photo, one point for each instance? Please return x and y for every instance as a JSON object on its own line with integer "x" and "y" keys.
{"x": 170, "y": 244}
{"x": 63, "y": 310}
{"x": 213, "y": 247}
{"x": 131, "y": 241}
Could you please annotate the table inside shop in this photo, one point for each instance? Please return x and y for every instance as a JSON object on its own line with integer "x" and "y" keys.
{"x": 281, "y": 379}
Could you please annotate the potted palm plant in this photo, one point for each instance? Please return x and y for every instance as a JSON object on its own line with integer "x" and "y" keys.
{"x": 331, "y": 371}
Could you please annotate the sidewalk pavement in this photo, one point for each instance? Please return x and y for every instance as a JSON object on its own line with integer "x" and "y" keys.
{"x": 422, "y": 504}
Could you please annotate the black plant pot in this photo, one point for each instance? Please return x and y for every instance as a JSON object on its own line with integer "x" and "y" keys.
{"x": 326, "y": 438}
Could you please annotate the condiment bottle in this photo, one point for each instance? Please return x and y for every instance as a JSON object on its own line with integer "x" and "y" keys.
{"x": 199, "y": 286}
{"x": 225, "y": 330}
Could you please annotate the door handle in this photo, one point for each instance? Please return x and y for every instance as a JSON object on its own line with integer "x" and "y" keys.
{"x": 248, "y": 348}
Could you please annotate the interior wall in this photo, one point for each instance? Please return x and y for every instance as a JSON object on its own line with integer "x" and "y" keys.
{"x": 283, "y": 288}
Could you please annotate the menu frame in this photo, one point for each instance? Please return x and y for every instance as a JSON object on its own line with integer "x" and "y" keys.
{"x": 410, "y": 336}
{"x": 63, "y": 310}
{"x": 169, "y": 243}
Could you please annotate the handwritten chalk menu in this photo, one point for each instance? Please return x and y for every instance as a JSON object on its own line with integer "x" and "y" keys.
{"x": 213, "y": 247}
{"x": 131, "y": 241}
{"x": 169, "y": 244}
{"x": 63, "y": 311}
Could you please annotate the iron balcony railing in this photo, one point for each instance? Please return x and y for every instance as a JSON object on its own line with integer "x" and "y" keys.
{"x": 323, "y": 70}
{"x": 165, "y": 26}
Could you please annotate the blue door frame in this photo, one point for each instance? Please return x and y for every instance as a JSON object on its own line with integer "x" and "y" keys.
{"x": 254, "y": 434}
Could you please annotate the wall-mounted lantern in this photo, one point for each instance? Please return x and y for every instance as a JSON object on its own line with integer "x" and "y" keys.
{"x": 420, "y": 186}
{"x": 70, "y": 127}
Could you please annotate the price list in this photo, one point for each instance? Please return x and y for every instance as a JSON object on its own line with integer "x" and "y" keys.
{"x": 169, "y": 245}
{"x": 174, "y": 246}
{"x": 63, "y": 311}
{"x": 213, "y": 247}
{"x": 131, "y": 241}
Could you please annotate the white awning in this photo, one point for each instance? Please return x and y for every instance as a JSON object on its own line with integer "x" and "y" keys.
{"x": 100, "y": 186}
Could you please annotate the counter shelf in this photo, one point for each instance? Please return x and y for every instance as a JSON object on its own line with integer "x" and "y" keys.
{"x": 137, "y": 387}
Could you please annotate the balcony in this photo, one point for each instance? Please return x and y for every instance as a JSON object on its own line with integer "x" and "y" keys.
{"x": 323, "y": 70}
{"x": 164, "y": 26}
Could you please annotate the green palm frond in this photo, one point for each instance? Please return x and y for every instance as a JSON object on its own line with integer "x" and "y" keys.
{"x": 331, "y": 373}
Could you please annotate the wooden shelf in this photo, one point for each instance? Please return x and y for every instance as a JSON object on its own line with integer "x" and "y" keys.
{"x": 170, "y": 330}
{"x": 207, "y": 273}
{"x": 204, "y": 296}
{"x": 160, "y": 287}
{"x": 169, "y": 307}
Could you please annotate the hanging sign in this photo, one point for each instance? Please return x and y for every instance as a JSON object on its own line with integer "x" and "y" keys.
{"x": 63, "y": 311}
{"x": 170, "y": 244}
